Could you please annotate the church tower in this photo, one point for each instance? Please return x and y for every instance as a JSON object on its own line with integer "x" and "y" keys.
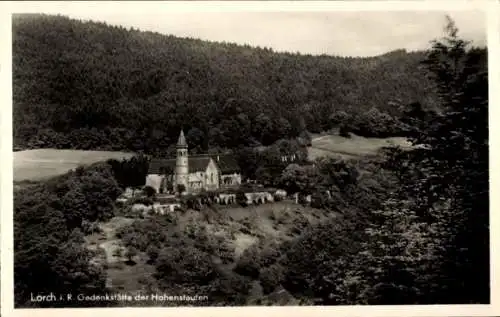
{"x": 181, "y": 164}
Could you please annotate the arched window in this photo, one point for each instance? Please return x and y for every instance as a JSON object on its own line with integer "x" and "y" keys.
{"x": 212, "y": 178}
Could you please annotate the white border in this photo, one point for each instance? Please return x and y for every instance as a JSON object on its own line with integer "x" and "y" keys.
{"x": 144, "y": 7}
{"x": 6, "y": 8}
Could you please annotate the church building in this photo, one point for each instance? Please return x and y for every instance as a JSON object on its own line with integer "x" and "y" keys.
{"x": 195, "y": 173}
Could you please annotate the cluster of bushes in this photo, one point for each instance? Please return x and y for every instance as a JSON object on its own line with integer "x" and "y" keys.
{"x": 65, "y": 208}
{"x": 198, "y": 202}
{"x": 50, "y": 219}
{"x": 372, "y": 123}
{"x": 183, "y": 259}
{"x": 88, "y": 227}
{"x": 258, "y": 256}
{"x": 147, "y": 201}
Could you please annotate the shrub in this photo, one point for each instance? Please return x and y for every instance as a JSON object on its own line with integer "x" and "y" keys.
{"x": 245, "y": 230}
{"x": 241, "y": 199}
{"x": 319, "y": 200}
{"x": 90, "y": 227}
{"x": 247, "y": 265}
{"x": 147, "y": 201}
{"x": 214, "y": 244}
{"x": 118, "y": 252}
{"x": 152, "y": 252}
{"x": 344, "y": 131}
{"x": 130, "y": 254}
{"x": 181, "y": 188}
{"x": 149, "y": 191}
{"x": 302, "y": 199}
{"x": 277, "y": 197}
{"x": 270, "y": 253}
{"x": 271, "y": 277}
{"x": 230, "y": 290}
{"x": 186, "y": 266}
{"x": 318, "y": 261}
{"x": 180, "y": 209}
{"x": 192, "y": 202}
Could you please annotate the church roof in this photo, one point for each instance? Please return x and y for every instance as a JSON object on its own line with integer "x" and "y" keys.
{"x": 195, "y": 164}
{"x": 156, "y": 166}
{"x": 182, "y": 140}
{"x": 227, "y": 163}
{"x": 198, "y": 163}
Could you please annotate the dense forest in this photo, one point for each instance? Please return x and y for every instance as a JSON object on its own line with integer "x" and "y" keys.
{"x": 412, "y": 225}
{"x": 88, "y": 85}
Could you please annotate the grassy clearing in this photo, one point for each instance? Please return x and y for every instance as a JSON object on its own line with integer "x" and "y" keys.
{"x": 356, "y": 146}
{"x": 35, "y": 165}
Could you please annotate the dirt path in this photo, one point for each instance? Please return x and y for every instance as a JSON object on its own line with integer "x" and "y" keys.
{"x": 320, "y": 138}
{"x": 112, "y": 243}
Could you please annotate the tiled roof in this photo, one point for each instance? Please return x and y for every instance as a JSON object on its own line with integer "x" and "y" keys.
{"x": 226, "y": 162}
{"x": 195, "y": 164}
{"x": 198, "y": 164}
{"x": 156, "y": 166}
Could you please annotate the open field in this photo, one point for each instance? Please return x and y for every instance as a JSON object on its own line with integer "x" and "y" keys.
{"x": 40, "y": 164}
{"x": 329, "y": 145}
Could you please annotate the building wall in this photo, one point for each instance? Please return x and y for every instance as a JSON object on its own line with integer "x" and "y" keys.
{"x": 155, "y": 181}
{"x": 196, "y": 181}
{"x": 207, "y": 180}
{"x": 229, "y": 180}
{"x": 258, "y": 198}
{"x": 212, "y": 176}
{"x": 182, "y": 168}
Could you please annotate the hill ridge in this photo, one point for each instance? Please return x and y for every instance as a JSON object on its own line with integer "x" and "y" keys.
{"x": 89, "y": 85}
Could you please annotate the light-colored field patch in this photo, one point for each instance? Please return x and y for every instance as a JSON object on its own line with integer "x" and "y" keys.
{"x": 45, "y": 163}
{"x": 314, "y": 153}
{"x": 110, "y": 248}
{"x": 335, "y": 145}
{"x": 242, "y": 242}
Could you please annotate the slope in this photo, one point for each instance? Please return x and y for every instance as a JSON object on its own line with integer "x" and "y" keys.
{"x": 88, "y": 85}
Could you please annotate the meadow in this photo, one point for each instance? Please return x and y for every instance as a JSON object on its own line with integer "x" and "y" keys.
{"x": 40, "y": 164}
{"x": 353, "y": 147}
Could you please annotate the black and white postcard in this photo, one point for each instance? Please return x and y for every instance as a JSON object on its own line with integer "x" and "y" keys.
{"x": 198, "y": 155}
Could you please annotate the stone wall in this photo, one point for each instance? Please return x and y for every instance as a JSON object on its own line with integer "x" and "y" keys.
{"x": 259, "y": 198}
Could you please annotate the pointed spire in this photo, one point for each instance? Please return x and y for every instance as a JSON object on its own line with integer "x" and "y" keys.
{"x": 182, "y": 141}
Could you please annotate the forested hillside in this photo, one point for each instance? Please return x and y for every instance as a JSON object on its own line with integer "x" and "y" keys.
{"x": 88, "y": 85}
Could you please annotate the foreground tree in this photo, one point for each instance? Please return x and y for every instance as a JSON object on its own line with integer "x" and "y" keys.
{"x": 427, "y": 243}
{"x": 457, "y": 167}
{"x": 49, "y": 256}
{"x": 436, "y": 227}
